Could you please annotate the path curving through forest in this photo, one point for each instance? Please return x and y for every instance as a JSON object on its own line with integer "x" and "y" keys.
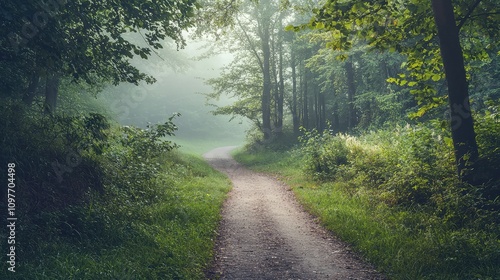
{"x": 265, "y": 233}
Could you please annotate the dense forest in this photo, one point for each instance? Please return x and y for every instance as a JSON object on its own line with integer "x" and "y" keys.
{"x": 382, "y": 115}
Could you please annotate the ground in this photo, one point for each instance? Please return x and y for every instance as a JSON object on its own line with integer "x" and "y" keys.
{"x": 266, "y": 234}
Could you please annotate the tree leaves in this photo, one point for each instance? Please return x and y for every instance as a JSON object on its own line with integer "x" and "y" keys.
{"x": 407, "y": 27}
{"x": 86, "y": 39}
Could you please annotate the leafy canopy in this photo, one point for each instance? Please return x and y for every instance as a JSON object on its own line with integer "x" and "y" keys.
{"x": 407, "y": 26}
{"x": 87, "y": 39}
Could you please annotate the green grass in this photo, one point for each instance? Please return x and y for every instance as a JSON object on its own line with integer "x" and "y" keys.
{"x": 171, "y": 237}
{"x": 395, "y": 239}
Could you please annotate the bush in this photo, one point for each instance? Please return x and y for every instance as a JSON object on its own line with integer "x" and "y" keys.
{"x": 488, "y": 168}
{"x": 324, "y": 154}
{"x": 279, "y": 140}
{"x": 409, "y": 166}
{"x": 99, "y": 201}
{"x": 395, "y": 195}
{"x": 54, "y": 156}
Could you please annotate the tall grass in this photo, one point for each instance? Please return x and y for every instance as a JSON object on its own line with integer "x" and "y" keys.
{"x": 132, "y": 207}
{"x": 169, "y": 238}
{"x": 393, "y": 195}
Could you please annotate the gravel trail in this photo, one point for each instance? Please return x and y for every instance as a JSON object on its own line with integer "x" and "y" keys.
{"x": 265, "y": 233}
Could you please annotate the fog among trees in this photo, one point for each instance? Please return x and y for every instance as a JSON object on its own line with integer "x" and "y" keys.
{"x": 181, "y": 87}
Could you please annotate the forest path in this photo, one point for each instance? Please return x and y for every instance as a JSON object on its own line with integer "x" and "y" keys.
{"x": 265, "y": 233}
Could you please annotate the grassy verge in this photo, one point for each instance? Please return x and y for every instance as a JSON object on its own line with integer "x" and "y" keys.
{"x": 404, "y": 242}
{"x": 164, "y": 230}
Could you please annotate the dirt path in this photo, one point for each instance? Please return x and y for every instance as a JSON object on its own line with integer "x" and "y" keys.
{"x": 265, "y": 234}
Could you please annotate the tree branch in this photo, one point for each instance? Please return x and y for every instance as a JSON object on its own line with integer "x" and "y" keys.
{"x": 254, "y": 51}
{"x": 467, "y": 16}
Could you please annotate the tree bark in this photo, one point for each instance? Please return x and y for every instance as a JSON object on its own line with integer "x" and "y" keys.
{"x": 275, "y": 92}
{"x": 317, "y": 108}
{"x": 311, "y": 103}
{"x": 462, "y": 124}
{"x": 335, "y": 118}
{"x": 322, "y": 114}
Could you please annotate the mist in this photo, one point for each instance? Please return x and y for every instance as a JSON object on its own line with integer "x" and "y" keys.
{"x": 180, "y": 88}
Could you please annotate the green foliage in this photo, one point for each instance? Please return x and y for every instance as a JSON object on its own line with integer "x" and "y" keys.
{"x": 394, "y": 195}
{"x": 408, "y": 28}
{"x": 488, "y": 129}
{"x": 151, "y": 141}
{"x": 376, "y": 101}
{"x": 214, "y": 15}
{"x": 325, "y": 154}
{"x": 162, "y": 229}
{"x": 87, "y": 40}
{"x": 243, "y": 77}
{"x": 99, "y": 201}
{"x": 54, "y": 154}
{"x": 281, "y": 140}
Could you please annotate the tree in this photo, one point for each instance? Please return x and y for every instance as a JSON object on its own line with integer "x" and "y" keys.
{"x": 351, "y": 92}
{"x": 256, "y": 39}
{"x": 294, "y": 102}
{"x": 464, "y": 136}
{"x": 264, "y": 13}
{"x": 410, "y": 28}
{"x": 242, "y": 79}
{"x": 84, "y": 40}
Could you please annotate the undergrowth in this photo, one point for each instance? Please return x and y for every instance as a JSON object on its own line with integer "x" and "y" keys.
{"x": 100, "y": 201}
{"x": 395, "y": 196}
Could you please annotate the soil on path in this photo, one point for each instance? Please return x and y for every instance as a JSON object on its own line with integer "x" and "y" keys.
{"x": 265, "y": 233}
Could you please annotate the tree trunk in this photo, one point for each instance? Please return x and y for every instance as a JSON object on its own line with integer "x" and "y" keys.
{"x": 51, "y": 92}
{"x": 266, "y": 89}
{"x": 322, "y": 112}
{"x": 335, "y": 122}
{"x": 317, "y": 109}
{"x": 311, "y": 104}
{"x": 281, "y": 89}
{"x": 462, "y": 125}
{"x": 31, "y": 90}
{"x": 305, "y": 105}
{"x": 295, "y": 115}
{"x": 275, "y": 79}
{"x": 351, "y": 92}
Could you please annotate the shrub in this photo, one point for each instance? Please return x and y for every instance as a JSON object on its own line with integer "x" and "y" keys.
{"x": 400, "y": 186}
{"x": 324, "y": 154}
{"x": 409, "y": 166}
{"x": 488, "y": 168}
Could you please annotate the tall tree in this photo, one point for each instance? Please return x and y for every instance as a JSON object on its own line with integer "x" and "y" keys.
{"x": 281, "y": 80}
{"x": 410, "y": 28}
{"x": 85, "y": 40}
{"x": 464, "y": 137}
{"x": 351, "y": 93}
{"x": 294, "y": 103}
{"x": 264, "y": 23}
{"x": 257, "y": 33}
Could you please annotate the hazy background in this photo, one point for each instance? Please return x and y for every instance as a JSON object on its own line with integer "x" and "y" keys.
{"x": 179, "y": 88}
